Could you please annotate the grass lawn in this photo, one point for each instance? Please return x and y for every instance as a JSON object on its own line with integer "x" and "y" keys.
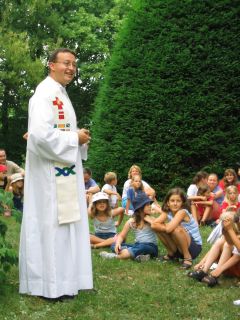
{"x": 126, "y": 290}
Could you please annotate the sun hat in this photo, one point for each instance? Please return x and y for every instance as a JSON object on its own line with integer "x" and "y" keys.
{"x": 3, "y": 168}
{"x": 99, "y": 196}
{"x": 16, "y": 177}
{"x": 140, "y": 201}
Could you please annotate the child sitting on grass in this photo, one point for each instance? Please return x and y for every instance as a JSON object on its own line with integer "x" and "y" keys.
{"x": 225, "y": 251}
{"x": 103, "y": 220}
{"x": 110, "y": 189}
{"x": 16, "y": 186}
{"x": 135, "y": 189}
{"x": 198, "y": 180}
{"x": 203, "y": 209}
{"x": 145, "y": 246}
{"x": 177, "y": 229}
{"x": 231, "y": 199}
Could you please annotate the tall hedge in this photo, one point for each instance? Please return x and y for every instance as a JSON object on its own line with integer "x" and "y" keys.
{"x": 169, "y": 100}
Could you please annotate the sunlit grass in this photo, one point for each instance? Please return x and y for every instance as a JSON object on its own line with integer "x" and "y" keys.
{"x": 126, "y": 290}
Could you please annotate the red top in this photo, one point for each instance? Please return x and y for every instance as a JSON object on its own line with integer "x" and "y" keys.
{"x": 225, "y": 205}
{"x": 222, "y": 186}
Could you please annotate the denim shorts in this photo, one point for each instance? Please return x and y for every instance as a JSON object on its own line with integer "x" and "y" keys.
{"x": 135, "y": 249}
{"x": 105, "y": 235}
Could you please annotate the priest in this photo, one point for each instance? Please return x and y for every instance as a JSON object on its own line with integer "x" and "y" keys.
{"x": 55, "y": 255}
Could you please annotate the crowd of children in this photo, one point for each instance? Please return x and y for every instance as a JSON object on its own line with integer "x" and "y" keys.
{"x": 175, "y": 223}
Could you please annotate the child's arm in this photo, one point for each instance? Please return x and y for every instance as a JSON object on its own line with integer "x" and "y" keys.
{"x": 159, "y": 223}
{"x": 110, "y": 192}
{"x": 218, "y": 194}
{"x": 89, "y": 210}
{"x": 122, "y": 235}
{"x": 205, "y": 203}
{"x": 197, "y": 198}
{"x": 118, "y": 212}
{"x": 175, "y": 222}
{"x": 93, "y": 189}
{"x": 127, "y": 206}
{"x": 149, "y": 219}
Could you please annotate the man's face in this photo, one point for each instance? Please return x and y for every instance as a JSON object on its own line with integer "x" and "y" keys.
{"x": 64, "y": 69}
{"x": 3, "y": 157}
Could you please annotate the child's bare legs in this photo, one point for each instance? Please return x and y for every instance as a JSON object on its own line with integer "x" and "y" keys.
{"x": 228, "y": 264}
{"x": 99, "y": 242}
{"x": 206, "y": 214}
{"x": 168, "y": 243}
{"x": 124, "y": 254}
{"x": 213, "y": 254}
{"x": 182, "y": 241}
{"x": 195, "y": 213}
{"x": 226, "y": 253}
{"x": 200, "y": 265}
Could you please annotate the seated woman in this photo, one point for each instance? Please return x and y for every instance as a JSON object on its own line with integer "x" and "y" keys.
{"x": 135, "y": 170}
{"x": 229, "y": 179}
{"x": 225, "y": 251}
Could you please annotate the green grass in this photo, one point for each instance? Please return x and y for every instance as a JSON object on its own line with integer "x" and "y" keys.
{"x": 126, "y": 290}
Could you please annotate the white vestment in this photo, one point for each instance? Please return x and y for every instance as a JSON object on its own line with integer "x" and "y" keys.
{"x": 54, "y": 259}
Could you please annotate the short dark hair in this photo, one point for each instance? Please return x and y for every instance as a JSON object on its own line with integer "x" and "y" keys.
{"x": 87, "y": 171}
{"x": 54, "y": 54}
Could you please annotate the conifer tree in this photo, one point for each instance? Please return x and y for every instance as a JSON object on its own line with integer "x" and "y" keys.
{"x": 169, "y": 100}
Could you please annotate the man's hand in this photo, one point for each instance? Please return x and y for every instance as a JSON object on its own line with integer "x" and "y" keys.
{"x": 83, "y": 136}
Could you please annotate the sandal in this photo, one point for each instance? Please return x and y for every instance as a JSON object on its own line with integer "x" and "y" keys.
{"x": 211, "y": 281}
{"x": 197, "y": 275}
{"x": 186, "y": 265}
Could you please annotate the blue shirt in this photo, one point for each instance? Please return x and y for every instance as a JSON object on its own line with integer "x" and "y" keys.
{"x": 90, "y": 183}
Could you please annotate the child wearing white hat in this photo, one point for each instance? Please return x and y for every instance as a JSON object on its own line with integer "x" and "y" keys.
{"x": 104, "y": 223}
{"x": 17, "y": 187}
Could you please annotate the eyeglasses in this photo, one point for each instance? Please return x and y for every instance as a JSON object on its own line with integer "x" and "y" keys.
{"x": 68, "y": 64}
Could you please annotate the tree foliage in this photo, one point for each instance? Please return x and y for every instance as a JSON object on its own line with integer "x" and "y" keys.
{"x": 29, "y": 31}
{"x": 170, "y": 97}
{"x": 8, "y": 256}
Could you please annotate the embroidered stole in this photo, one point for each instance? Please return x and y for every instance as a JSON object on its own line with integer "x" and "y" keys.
{"x": 66, "y": 178}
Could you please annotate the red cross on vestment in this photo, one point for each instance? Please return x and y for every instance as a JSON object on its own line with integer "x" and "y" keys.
{"x": 58, "y": 103}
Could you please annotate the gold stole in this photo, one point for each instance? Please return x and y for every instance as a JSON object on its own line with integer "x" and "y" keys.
{"x": 66, "y": 178}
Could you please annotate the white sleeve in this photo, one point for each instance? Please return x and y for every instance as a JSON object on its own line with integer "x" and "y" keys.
{"x": 125, "y": 188}
{"x": 106, "y": 187}
{"x": 192, "y": 190}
